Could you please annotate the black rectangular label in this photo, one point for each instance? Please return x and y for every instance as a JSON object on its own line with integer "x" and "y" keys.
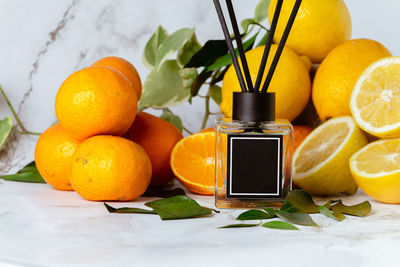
{"x": 254, "y": 166}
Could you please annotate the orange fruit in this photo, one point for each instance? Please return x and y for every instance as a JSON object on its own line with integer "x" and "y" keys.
{"x": 53, "y": 155}
{"x": 157, "y": 137}
{"x": 95, "y": 101}
{"x": 193, "y": 162}
{"x": 300, "y": 132}
{"x": 338, "y": 73}
{"x": 106, "y": 167}
{"x": 126, "y": 68}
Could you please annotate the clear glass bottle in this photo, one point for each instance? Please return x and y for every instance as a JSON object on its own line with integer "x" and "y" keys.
{"x": 253, "y": 163}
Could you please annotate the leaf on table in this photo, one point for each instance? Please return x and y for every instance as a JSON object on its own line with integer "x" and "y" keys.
{"x": 173, "y": 43}
{"x": 188, "y": 50}
{"x": 361, "y": 210}
{"x": 178, "y": 207}
{"x": 227, "y": 59}
{"x": 240, "y": 225}
{"x": 163, "y": 192}
{"x": 296, "y": 218}
{"x": 128, "y": 210}
{"x": 210, "y": 51}
{"x": 255, "y": 215}
{"x": 163, "y": 87}
{"x": 150, "y": 50}
{"x": 167, "y": 115}
{"x": 215, "y": 92}
{"x": 300, "y": 200}
{"x": 28, "y": 174}
{"x": 331, "y": 214}
{"x": 279, "y": 225}
{"x": 188, "y": 76}
{"x": 6, "y": 126}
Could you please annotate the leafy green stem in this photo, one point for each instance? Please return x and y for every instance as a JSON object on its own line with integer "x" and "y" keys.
{"x": 207, "y": 113}
{"x": 186, "y": 130}
{"x": 19, "y": 122}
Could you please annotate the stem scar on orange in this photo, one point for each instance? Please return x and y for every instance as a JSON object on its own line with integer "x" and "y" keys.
{"x": 157, "y": 137}
{"x": 106, "y": 167}
{"x": 53, "y": 156}
{"x": 96, "y": 100}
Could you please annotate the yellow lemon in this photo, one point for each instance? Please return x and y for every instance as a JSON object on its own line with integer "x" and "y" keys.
{"x": 319, "y": 27}
{"x": 321, "y": 162}
{"x": 337, "y": 74}
{"x": 375, "y": 99}
{"x": 376, "y": 170}
{"x": 291, "y": 82}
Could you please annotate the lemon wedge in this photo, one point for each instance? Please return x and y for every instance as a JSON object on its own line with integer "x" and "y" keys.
{"x": 375, "y": 99}
{"x": 321, "y": 162}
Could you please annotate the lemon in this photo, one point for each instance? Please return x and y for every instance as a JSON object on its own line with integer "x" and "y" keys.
{"x": 291, "y": 82}
{"x": 321, "y": 162}
{"x": 319, "y": 27}
{"x": 376, "y": 170}
{"x": 375, "y": 99}
{"x": 338, "y": 73}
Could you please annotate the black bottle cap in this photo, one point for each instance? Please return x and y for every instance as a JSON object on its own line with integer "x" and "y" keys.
{"x": 253, "y": 107}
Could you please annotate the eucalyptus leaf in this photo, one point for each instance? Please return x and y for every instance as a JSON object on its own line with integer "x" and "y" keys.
{"x": 261, "y": 11}
{"x": 128, "y": 210}
{"x": 333, "y": 215}
{"x": 163, "y": 87}
{"x": 279, "y": 225}
{"x": 150, "y": 50}
{"x": 189, "y": 49}
{"x": 173, "y": 43}
{"x": 167, "y": 115}
{"x": 227, "y": 59}
{"x": 301, "y": 200}
{"x": 188, "y": 76}
{"x": 240, "y": 225}
{"x": 6, "y": 126}
{"x": 215, "y": 92}
{"x": 163, "y": 192}
{"x": 255, "y": 215}
{"x": 296, "y": 218}
{"x": 361, "y": 210}
{"x": 211, "y": 50}
{"x": 28, "y": 174}
{"x": 178, "y": 207}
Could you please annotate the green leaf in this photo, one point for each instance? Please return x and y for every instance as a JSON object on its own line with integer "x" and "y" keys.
{"x": 5, "y": 129}
{"x": 188, "y": 76}
{"x": 211, "y": 50}
{"x": 215, "y": 92}
{"x": 247, "y": 22}
{"x": 186, "y": 52}
{"x": 227, "y": 60}
{"x": 240, "y": 225}
{"x": 163, "y": 192}
{"x": 163, "y": 87}
{"x": 199, "y": 81}
{"x": 333, "y": 215}
{"x": 263, "y": 40}
{"x": 261, "y": 11}
{"x": 301, "y": 200}
{"x": 279, "y": 225}
{"x": 173, "y": 43}
{"x": 255, "y": 215}
{"x": 28, "y": 174}
{"x": 167, "y": 115}
{"x": 361, "y": 210}
{"x": 128, "y": 210}
{"x": 178, "y": 207}
{"x": 150, "y": 50}
{"x": 296, "y": 218}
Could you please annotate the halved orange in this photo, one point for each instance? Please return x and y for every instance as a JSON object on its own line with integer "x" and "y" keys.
{"x": 193, "y": 162}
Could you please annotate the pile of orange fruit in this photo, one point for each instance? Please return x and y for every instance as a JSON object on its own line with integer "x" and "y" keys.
{"x": 102, "y": 147}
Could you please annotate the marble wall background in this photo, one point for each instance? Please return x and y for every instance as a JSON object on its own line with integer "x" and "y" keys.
{"x": 44, "y": 41}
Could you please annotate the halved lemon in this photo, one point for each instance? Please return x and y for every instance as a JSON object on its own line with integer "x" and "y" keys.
{"x": 321, "y": 162}
{"x": 193, "y": 162}
{"x": 375, "y": 99}
{"x": 376, "y": 170}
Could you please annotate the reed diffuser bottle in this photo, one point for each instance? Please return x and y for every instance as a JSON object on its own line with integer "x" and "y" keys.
{"x": 253, "y": 148}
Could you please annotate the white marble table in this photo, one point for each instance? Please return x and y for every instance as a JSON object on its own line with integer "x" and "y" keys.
{"x": 40, "y": 226}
